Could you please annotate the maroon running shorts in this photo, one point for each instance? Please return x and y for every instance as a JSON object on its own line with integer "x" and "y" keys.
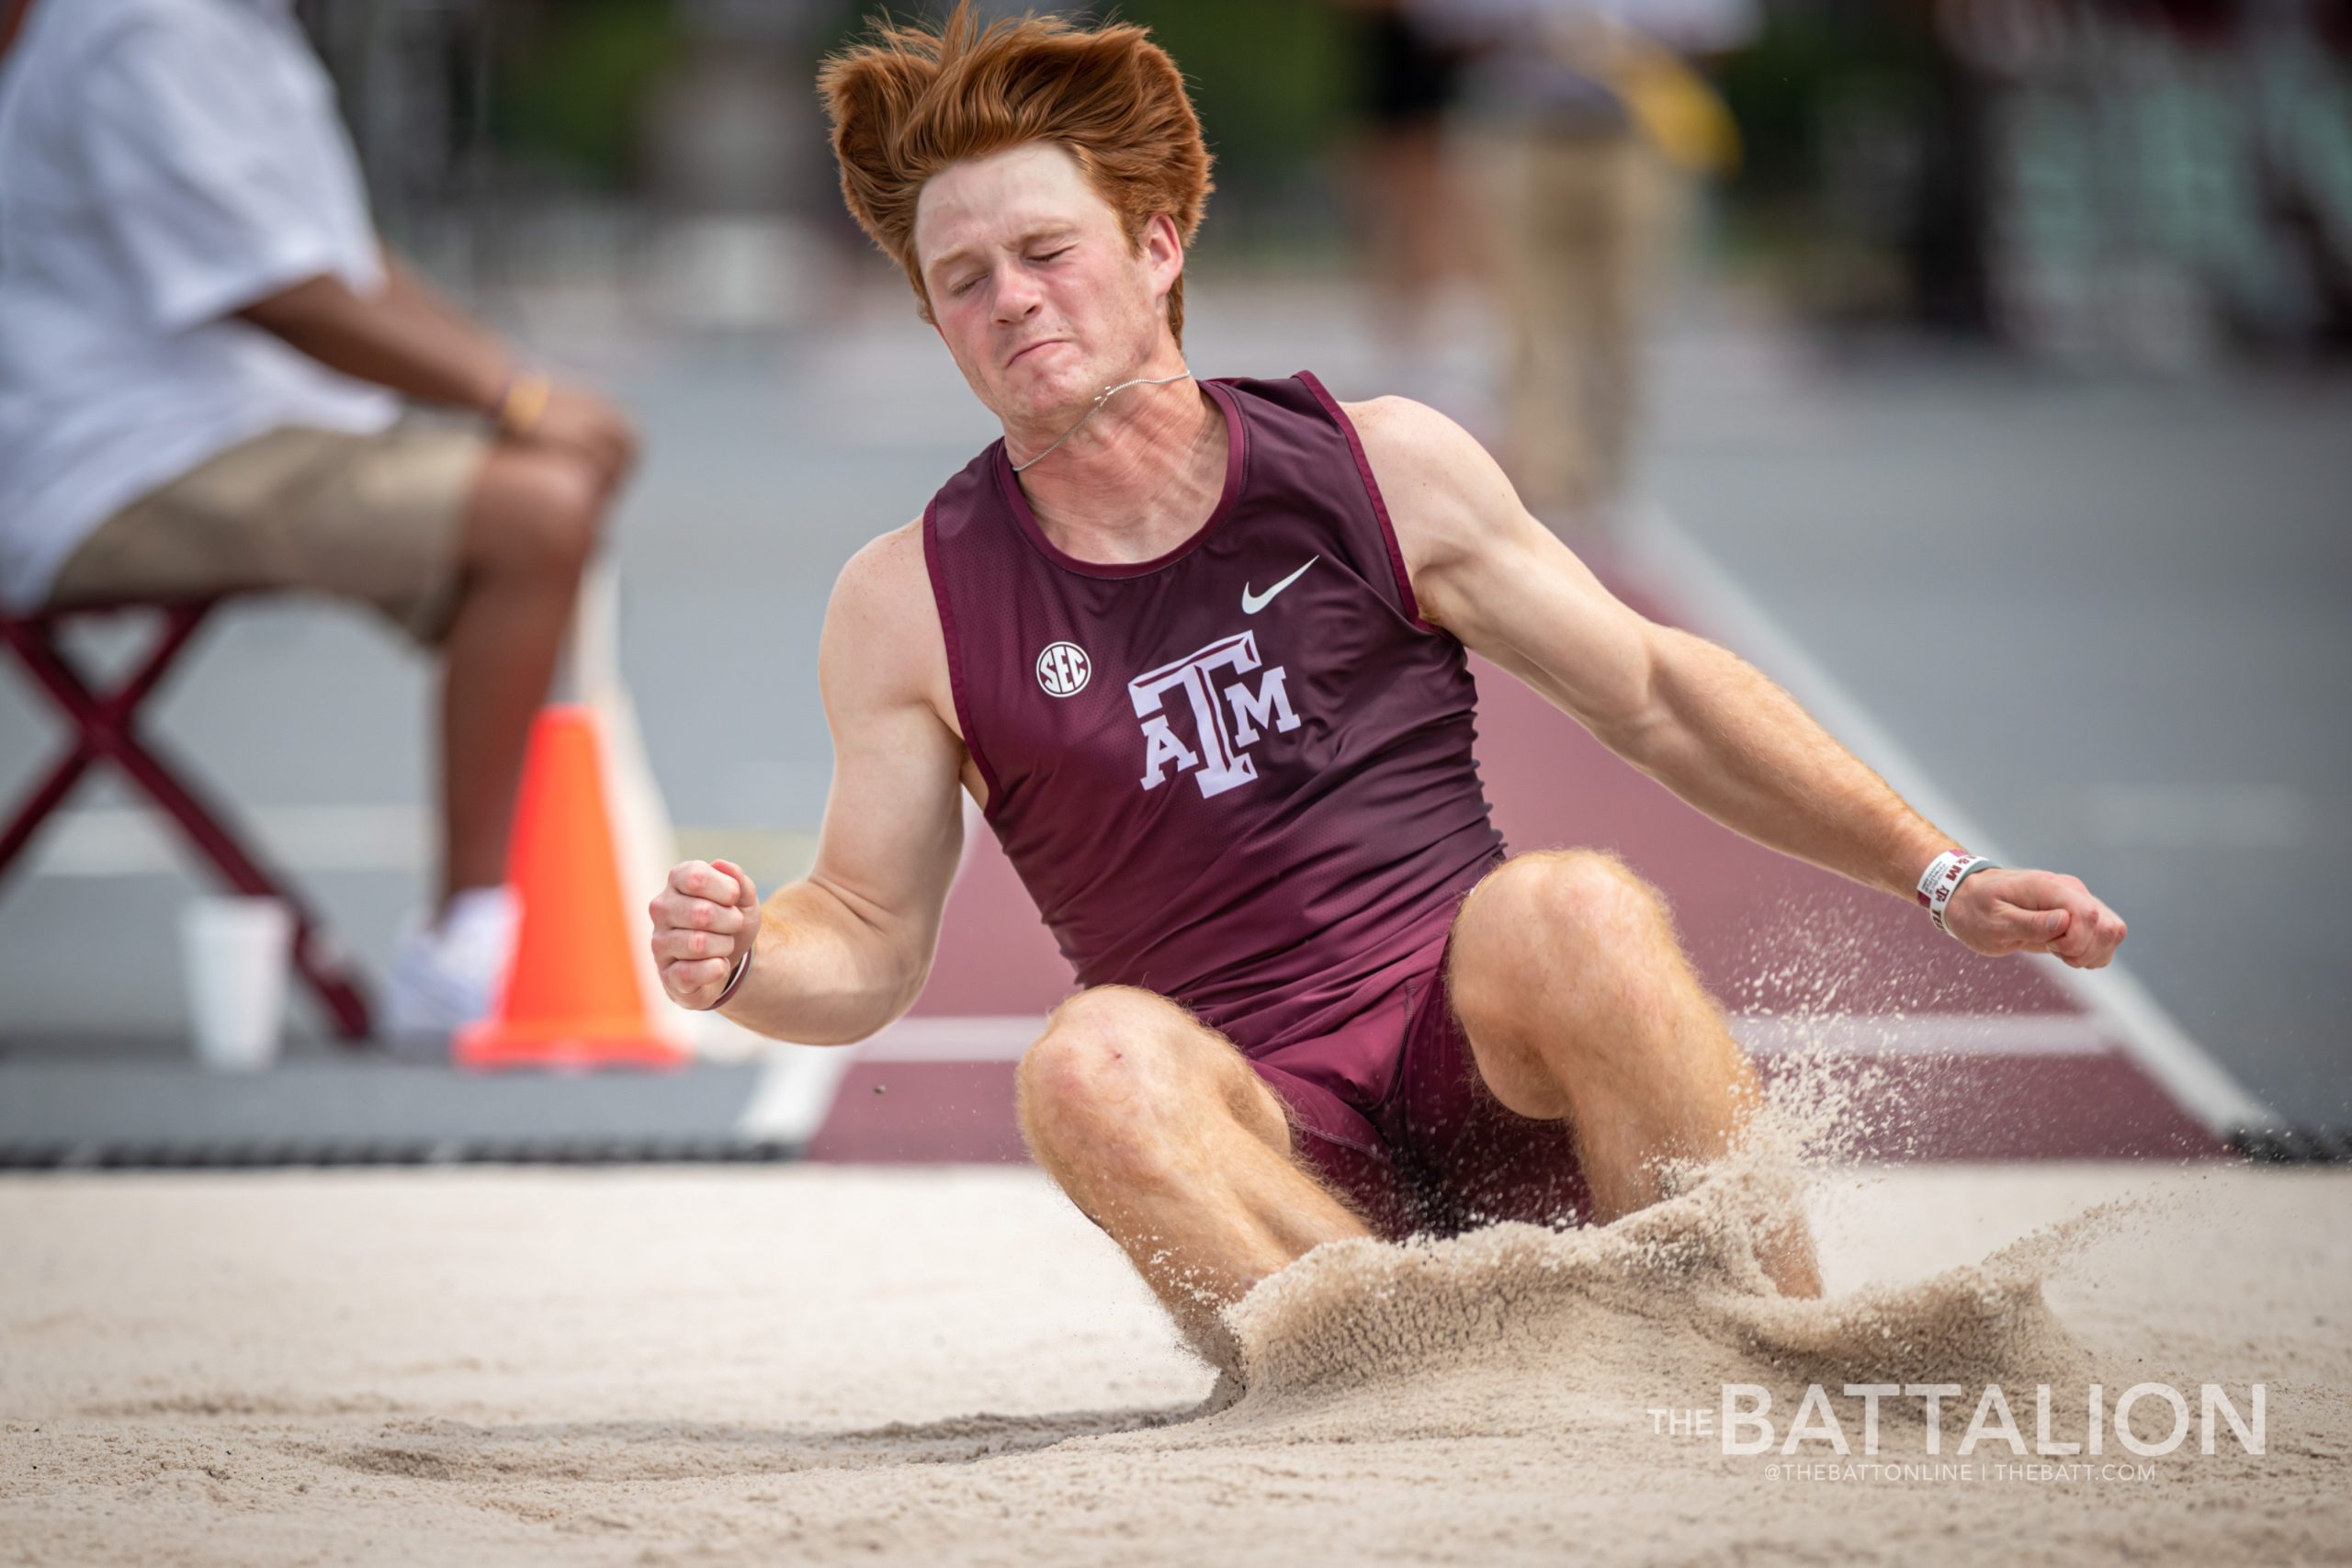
{"x": 1436, "y": 1153}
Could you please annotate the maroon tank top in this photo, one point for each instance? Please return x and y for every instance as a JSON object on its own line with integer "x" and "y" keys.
{"x": 1238, "y": 776}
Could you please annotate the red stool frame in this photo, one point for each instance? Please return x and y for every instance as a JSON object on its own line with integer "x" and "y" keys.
{"x": 106, "y": 727}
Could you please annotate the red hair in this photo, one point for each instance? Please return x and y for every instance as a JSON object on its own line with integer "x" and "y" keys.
{"x": 909, "y": 102}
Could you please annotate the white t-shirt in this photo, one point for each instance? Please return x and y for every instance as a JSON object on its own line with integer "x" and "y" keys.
{"x": 163, "y": 164}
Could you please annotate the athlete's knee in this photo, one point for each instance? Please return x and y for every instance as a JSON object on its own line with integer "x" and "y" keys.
{"x": 1554, "y": 906}
{"x": 1103, "y": 1077}
{"x": 1547, "y": 937}
{"x": 1118, "y": 1082}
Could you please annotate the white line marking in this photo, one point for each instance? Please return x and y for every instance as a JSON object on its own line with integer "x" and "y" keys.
{"x": 795, "y": 1091}
{"x": 1925, "y": 1034}
{"x": 139, "y": 840}
{"x": 1682, "y": 565}
{"x": 948, "y": 1039}
{"x": 798, "y": 1086}
{"x": 142, "y": 841}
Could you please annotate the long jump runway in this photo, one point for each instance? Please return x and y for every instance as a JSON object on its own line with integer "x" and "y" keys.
{"x": 908, "y": 1348}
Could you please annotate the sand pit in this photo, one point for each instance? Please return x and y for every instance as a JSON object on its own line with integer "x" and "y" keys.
{"x": 948, "y": 1366}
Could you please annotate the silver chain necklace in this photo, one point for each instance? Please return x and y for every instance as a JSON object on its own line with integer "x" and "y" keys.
{"x": 1100, "y": 399}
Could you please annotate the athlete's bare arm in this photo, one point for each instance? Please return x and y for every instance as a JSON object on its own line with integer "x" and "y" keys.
{"x": 845, "y": 949}
{"x": 1691, "y": 715}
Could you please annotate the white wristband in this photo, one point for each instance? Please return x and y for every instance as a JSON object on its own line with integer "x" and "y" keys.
{"x": 1942, "y": 879}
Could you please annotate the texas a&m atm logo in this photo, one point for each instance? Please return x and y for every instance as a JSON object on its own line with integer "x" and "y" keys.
{"x": 1222, "y": 764}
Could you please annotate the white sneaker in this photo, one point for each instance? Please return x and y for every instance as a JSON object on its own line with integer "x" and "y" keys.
{"x": 447, "y": 975}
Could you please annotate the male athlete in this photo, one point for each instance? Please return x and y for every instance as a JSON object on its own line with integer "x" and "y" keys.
{"x": 1197, "y": 648}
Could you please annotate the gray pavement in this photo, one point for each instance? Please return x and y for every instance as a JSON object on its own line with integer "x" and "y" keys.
{"x": 2145, "y": 686}
{"x": 81, "y": 1102}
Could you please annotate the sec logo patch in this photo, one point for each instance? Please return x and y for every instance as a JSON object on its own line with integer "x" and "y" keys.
{"x": 1063, "y": 669}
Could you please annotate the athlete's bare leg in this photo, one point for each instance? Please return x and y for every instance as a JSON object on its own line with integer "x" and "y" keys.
{"x": 1580, "y": 1005}
{"x": 1159, "y": 1133}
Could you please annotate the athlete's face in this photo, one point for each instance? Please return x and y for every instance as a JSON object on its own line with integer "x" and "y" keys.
{"x": 1032, "y": 285}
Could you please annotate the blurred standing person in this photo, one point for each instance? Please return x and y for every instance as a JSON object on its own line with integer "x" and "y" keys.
{"x": 1589, "y": 125}
{"x": 1422, "y": 228}
{"x": 204, "y": 354}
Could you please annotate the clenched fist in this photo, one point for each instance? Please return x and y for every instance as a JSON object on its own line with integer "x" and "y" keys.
{"x": 703, "y": 922}
{"x": 2000, "y": 912}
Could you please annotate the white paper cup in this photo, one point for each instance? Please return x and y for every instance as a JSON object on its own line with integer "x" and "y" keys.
{"x": 236, "y": 953}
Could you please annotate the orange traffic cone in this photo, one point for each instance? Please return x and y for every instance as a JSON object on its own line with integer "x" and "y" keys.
{"x": 573, "y": 995}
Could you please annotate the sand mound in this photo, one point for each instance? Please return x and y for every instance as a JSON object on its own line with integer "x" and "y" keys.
{"x": 1518, "y": 1329}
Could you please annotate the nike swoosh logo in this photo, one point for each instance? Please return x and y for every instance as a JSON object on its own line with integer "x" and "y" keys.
{"x": 1254, "y": 603}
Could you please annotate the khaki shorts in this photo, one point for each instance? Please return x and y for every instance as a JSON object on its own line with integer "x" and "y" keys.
{"x": 374, "y": 518}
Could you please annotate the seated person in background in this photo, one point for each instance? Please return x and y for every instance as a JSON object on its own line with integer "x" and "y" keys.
{"x": 204, "y": 354}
